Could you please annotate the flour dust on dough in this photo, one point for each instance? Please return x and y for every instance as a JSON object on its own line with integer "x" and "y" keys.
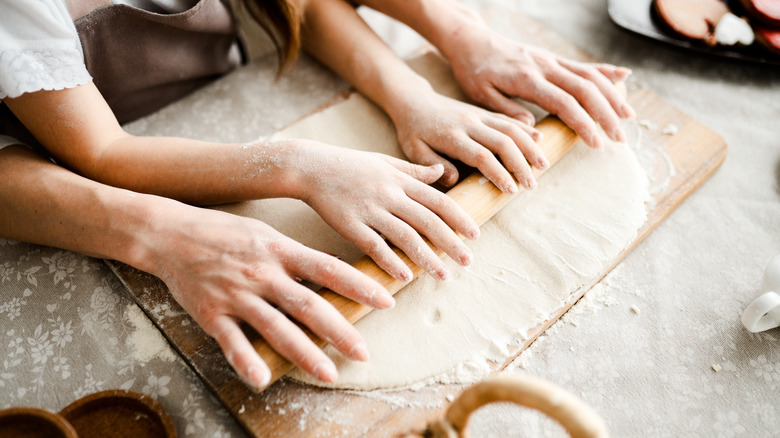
{"x": 529, "y": 260}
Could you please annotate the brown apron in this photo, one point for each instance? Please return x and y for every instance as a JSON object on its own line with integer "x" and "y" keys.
{"x": 141, "y": 61}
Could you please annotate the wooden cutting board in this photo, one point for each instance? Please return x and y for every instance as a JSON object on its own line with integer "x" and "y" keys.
{"x": 678, "y": 164}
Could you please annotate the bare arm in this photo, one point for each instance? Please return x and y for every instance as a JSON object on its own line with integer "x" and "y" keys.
{"x": 45, "y": 204}
{"x": 81, "y": 132}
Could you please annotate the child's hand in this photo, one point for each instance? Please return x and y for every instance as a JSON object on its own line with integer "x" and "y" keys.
{"x": 367, "y": 196}
{"x": 224, "y": 269}
{"x": 492, "y": 70}
{"x": 432, "y": 127}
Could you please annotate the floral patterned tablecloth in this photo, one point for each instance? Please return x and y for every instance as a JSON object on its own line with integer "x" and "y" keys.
{"x": 656, "y": 348}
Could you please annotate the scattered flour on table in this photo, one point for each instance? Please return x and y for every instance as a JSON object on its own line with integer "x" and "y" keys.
{"x": 647, "y": 124}
{"x": 593, "y": 301}
{"x": 670, "y": 129}
{"x": 146, "y": 341}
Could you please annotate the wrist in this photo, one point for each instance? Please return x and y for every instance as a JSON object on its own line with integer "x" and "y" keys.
{"x": 404, "y": 97}
{"x": 282, "y": 166}
{"x": 448, "y": 25}
{"x": 466, "y": 42}
{"x": 145, "y": 228}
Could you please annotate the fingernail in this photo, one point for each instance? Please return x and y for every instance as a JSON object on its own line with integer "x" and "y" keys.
{"x": 381, "y": 299}
{"x": 359, "y": 352}
{"x": 474, "y": 233}
{"x": 258, "y": 376}
{"x": 510, "y": 188}
{"x": 326, "y": 372}
{"x": 443, "y": 273}
{"x": 542, "y": 163}
{"x": 627, "y": 111}
{"x": 450, "y": 180}
{"x": 537, "y": 136}
{"x": 625, "y": 71}
{"x": 595, "y": 142}
{"x": 618, "y": 135}
{"x": 229, "y": 357}
{"x": 465, "y": 258}
{"x": 530, "y": 183}
{"x": 527, "y": 120}
{"x": 405, "y": 275}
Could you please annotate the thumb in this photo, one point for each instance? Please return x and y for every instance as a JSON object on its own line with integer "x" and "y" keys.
{"x": 419, "y": 152}
{"x": 427, "y": 174}
{"x": 500, "y": 103}
{"x": 613, "y": 73}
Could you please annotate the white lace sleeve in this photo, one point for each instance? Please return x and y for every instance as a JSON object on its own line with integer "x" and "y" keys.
{"x": 39, "y": 48}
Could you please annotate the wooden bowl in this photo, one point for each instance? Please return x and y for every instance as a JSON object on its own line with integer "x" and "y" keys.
{"x": 119, "y": 413}
{"x": 25, "y": 422}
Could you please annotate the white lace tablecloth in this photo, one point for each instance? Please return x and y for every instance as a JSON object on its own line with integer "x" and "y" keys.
{"x": 678, "y": 364}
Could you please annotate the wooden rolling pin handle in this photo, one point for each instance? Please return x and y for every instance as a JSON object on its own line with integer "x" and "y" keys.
{"x": 576, "y": 416}
{"x": 475, "y": 194}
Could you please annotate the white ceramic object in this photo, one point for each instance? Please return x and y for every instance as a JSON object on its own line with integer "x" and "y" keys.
{"x": 764, "y": 312}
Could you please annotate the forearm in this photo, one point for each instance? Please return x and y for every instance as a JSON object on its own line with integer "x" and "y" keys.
{"x": 82, "y": 134}
{"x": 335, "y": 34}
{"x": 201, "y": 173}
{"x": 45, "y": 204}
{"x": 442, "y": 22}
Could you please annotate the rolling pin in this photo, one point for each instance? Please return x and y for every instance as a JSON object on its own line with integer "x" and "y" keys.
{"x": 477, "y": 196}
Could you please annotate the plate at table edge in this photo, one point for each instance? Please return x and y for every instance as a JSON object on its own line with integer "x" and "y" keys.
{"x": 636, "y": 16}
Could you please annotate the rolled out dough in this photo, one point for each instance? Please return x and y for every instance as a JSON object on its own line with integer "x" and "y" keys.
{"x": 530, "y": 259}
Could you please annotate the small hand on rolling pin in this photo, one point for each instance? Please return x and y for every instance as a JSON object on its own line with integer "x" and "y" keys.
{"x": 430, "y": 124}
{"x": 368, "y": 196}
{"x": 492, "y": 70}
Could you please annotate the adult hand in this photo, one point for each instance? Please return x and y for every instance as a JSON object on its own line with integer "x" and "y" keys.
{"x": 431, "y": 126}
{"x": 493, "y": 70}
{"x": 224, "y": 269}
{"x": 365, "y": 196}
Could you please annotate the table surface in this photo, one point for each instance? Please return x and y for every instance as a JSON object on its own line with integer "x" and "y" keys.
{"x": 68, "y": 328}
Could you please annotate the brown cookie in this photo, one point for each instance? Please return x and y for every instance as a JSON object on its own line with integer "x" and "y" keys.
{"x": 763, "y": 12}
{"x": 693, "y": 19}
